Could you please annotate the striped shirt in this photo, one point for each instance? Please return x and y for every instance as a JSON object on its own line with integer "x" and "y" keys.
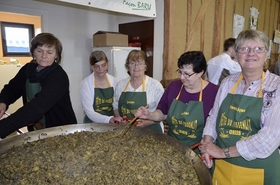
{"x": 266, "y": 141}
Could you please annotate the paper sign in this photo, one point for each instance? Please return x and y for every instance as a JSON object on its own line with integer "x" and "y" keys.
{"x": 276, "y": 37}
{"x": 253, "y": 18}
{"x": 146, "y": 8}
{"x": 238, "y": 24}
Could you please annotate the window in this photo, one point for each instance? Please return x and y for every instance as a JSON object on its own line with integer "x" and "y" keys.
{"x": 16, "y": 38}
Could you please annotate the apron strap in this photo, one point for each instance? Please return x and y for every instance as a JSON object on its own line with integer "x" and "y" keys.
{"x": 178, "y": 95}
{"x": 200, "y": 93}
{"x": 107, "y": 79}
{"x": 240, "y": 78}
{"x": 143, "y": 84}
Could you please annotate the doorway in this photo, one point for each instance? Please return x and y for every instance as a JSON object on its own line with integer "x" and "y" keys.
{"x": 141, "y": 34}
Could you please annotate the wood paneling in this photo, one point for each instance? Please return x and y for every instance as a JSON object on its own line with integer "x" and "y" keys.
{"x": 205, "y": 24}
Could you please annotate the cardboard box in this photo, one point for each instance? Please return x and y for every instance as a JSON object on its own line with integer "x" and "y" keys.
{"x": 104, "y": 38}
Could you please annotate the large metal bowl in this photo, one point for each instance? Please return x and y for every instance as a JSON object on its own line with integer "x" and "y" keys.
{"x": 201, "y": 170}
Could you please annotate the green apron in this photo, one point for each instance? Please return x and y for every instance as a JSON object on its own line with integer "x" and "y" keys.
{"x": 31, "y": 90}
{"x": 239, "y": 118}
{"x": 186, "y": 120}
{"x": 103, "y": 100}
{"x": 129, "y": 102}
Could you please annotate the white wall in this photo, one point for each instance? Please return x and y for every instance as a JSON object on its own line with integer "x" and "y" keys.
{"x": 74, "y": 26}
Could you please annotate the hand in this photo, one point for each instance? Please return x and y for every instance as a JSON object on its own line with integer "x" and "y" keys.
{"x": 211, "y": 149}
{"x": 144, "y": 123}
{"x": 3, "y": 108}
{"x": 208, "y": 149}
{"x": 115, "y": 120}
{"x": 142, "y": 112}
{"x": 206, "y": 160}
{"x": 120, "y": 120}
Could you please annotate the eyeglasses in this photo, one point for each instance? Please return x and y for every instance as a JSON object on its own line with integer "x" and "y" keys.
{"x": 245, "y": 50}
{"x": 186, "y": 75}
{"x": 134, "y": 64}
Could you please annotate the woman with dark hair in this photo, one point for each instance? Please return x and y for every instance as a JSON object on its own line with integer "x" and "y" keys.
{"x": 44, "y": 88}
{"x": 97, "y": 91}
{"x": 185, "y": 103}
{"x": 137, "y": 90}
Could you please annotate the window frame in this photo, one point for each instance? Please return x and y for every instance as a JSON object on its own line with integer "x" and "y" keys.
{"x": 30, "y": 34}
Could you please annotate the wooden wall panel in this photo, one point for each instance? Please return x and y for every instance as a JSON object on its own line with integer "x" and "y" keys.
{"x": 209, "y": 29}
{"x": 195, "y": 37}
{"x": 168, "y": 40}
{"x": 239, "y": 9}
{"x": 262, "y": 8}
{"x": 205, "y": 24}
{"x": 218, "y": 29}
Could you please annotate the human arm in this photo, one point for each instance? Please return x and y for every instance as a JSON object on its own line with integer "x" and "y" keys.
{"x": 117, "y": 93}
{"x": 54, "y": 87}
{"x": 118, "y": 90}
{"x": 154, "y": 91}
{"x": 267, "y": 139}
{"x": 209, "y": 132}
{"x": 263, "y": 143}
{"x": 144, "y": 113}
{"x": 14, "y": 89}
{"x": 87, "y": 98}
{"x": 2, "y": 109}
{"x": 208, "y": 148}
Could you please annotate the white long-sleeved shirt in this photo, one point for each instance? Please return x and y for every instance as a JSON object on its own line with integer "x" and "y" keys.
{"x": 263, "y": 143}
{"x": 87, "y": 97}
{"x": 216, "y": 65}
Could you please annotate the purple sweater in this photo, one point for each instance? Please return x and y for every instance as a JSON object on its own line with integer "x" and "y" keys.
{"x": 208, "y": 97}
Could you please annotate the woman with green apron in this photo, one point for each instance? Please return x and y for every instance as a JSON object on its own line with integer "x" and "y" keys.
{"x": 185, "y": 103}
{"x": 244, "y": 122}
{"x": 186, "y": 120}
{"x": 43, "y": 86}
{"x": 97, "y": 91}
{"x": 137, "y": 90}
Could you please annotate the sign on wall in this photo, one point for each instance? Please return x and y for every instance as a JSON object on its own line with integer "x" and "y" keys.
{"x": 276, "y": 37}
{"x": 268, "y": 55}
{"x": 253, "y": 18}
{"x": 146, "y": 8}
{"x": 238, "y": 24}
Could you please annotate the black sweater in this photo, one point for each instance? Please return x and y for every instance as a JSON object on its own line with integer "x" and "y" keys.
{"x": 53, "y": 101}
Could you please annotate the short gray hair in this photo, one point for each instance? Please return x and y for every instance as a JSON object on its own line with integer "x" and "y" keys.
{"x": 251, "y": 35}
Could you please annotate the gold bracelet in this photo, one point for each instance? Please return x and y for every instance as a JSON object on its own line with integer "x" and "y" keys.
{"x": 226, "y": 152}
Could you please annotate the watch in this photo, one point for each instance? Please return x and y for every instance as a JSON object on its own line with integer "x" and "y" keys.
{"x": 226, "y": 152}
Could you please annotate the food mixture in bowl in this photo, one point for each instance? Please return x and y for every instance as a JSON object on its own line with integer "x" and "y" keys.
{"x": 96, "y": 158}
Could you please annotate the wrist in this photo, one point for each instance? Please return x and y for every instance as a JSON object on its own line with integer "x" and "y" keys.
{"x": 112, "y": 119}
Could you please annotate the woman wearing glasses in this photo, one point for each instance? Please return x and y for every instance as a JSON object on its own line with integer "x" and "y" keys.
{"x": 185, "y": 103}
{"x": 97, "y": 91}
{"x": 137, "y": 90}
{"x": 244, "y": 122}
